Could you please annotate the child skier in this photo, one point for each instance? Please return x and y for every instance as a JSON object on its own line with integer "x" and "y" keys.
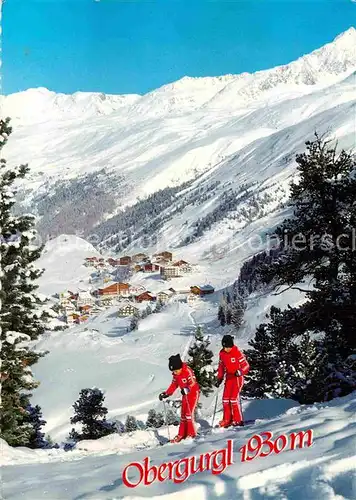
{"x": 232, "y": 364}
{"x": 184, "y": 378}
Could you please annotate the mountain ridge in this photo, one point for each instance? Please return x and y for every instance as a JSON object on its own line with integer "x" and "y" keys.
{"x": 322, "y": 66}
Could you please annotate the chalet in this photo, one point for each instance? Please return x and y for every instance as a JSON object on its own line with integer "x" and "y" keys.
{"x": 73, "y": 318}
{"x": 85, "y": 298}
{"x": 91, "y": 261}
{"x": 70, "y": 306}
{"x": 168, "y": 256}
{"x": 150, "y": 268}
{"x": 139, "y": 257}
{"x": 145, "y": 296}
{"x": 180, "y": 263}
{"x": 114, "y": 289}
{"x": 125, "y": 261}
{"x": 127, "y": 309}
{"x": 202, "y": 290}
{"x": 113, "y": 262}
{"x": 168, "y": 272}
{"x": 136, "y": 289}
{"x": 184, "y": 266}
{"x": 137, "y": 268}
{"x": 64, "y": 299}
{"x": 106, "y": 300}
{"x": 165, "y": 295}
{"x": 86, "y": 309}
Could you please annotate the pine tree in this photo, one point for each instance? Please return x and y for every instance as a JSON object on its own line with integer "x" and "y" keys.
{"x": 261, "y": 376}
{"x": 200, "y": 361}
{"x": 151, "y": 418}
{"x": 90, "y": 412}
{"x": 228, "y": 315}
{"x": 131, "y": 424}
{"x": 221, "y": 315}
{"x": 172, "y": 418}
{"x": 318, "y": 247}
{"x": 134, "y": 321}
{"x": 34, "y": 418}
{"x": 159, "y": 306}
{"x": 22, "y": 315}
{"x": 119, "y": 427}
{"x": 273, "y": 358}
{"x": 312, "y": 370}
{"x": 237, "y": 311}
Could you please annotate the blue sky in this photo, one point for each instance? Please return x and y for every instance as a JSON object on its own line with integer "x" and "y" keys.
{"x": 116, "y": 46}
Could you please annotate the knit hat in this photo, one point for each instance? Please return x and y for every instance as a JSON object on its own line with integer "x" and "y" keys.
{"x": 175, "y": 363}
{"x": 227, "y": 341}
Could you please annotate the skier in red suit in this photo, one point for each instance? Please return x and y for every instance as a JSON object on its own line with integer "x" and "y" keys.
{"x": 233, "y": 365}
{"x": 184, "y": 378}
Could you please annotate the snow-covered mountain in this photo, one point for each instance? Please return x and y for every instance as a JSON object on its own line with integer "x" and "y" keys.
{"x": 41, "y": 105}
{"x": 198, "y": 139}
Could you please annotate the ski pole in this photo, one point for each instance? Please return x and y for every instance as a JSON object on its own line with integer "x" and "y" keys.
{"x": 165, "y": 417}
{"x": 216, "y": 403}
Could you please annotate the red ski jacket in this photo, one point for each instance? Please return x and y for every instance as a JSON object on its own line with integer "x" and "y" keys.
{"x": 185, "y": 380}
{"x": 230, "y": 362}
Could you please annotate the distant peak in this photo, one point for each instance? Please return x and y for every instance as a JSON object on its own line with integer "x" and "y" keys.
{"x": 350, "y": 33}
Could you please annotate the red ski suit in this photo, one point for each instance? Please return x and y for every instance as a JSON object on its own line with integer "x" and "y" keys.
{"x": 229, "y": 363}
{"x": 186, "y": 380}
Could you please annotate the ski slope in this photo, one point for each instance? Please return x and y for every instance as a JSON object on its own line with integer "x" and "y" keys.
{"x": 327, "y": 469}
{"x": 130, "y": 367}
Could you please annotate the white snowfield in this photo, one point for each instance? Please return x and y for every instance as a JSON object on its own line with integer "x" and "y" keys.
{"x": 63, "y": 260}
{"x": 326, "y": 469}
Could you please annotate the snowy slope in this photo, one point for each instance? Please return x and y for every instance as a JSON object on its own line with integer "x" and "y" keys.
{"x": 327, "y": 469}
{"x": 63, "y": 261}
{"x": 233, "y": 128}
{"x": 132, "y": 367}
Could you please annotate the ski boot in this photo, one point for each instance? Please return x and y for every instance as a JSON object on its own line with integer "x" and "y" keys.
{"x": 237, "y": 424}
{"x": 224, "y": 423}
{"x": 177, "y": 439}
